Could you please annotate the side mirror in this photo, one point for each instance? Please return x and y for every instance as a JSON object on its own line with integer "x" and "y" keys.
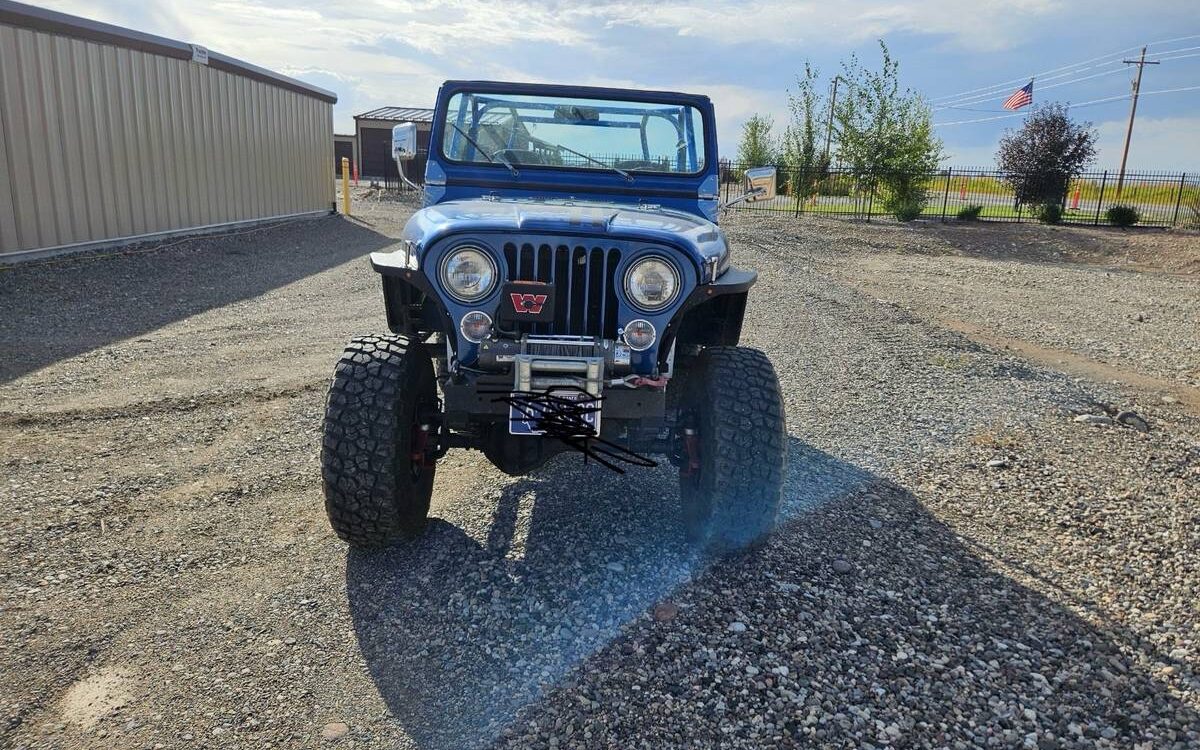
{"x": 760, "y": 184}
{"x": 404, "y": 142}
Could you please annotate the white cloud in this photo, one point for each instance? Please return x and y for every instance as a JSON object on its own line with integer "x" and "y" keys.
{"x": 733, "y": 104}
{"x": 981, "y": 25}
{"x": 397, "y": 52}
{"x": 981, "y": 157}
{"x": 1159, "y": 144}
{"x": 1163, "y": 143}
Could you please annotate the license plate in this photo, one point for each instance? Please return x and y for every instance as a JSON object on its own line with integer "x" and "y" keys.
{"x": 569, "y": 413}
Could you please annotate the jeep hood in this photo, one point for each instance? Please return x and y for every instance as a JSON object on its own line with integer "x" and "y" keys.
{"x": 699, "y": 239}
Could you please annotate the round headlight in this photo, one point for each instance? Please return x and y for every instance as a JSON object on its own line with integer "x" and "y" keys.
{"x": 468, "y": 274}
{"x": 652, "y": 283}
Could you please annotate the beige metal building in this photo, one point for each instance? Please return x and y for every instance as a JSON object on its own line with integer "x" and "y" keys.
{"x": 109, "y": 135}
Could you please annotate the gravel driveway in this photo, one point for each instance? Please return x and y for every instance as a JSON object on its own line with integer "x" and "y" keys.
{"x": 963, "y": 564}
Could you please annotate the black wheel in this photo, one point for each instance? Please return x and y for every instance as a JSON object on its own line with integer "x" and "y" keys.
{"x": 733, "y": 452}
{"x": 378, "y": 481}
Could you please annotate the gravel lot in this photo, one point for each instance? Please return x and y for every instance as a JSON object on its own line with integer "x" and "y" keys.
{"x": 963, "y": 563}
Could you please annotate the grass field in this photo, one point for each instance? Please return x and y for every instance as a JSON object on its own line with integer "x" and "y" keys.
{"x": 1163, "y": 199}
{"x": 1160, "y": 201}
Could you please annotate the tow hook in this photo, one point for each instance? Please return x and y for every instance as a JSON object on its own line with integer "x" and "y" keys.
{"x": 691, "y": 450}
{"x": 638, "y": 381}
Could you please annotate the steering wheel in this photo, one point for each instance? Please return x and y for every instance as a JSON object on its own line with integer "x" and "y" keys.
{"x": 520, "y": 155}
{"x": 650, "y": 166}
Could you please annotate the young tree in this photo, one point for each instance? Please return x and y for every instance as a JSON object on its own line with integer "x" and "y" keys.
{"x": 758, "y": 147}
{"x": 1040, "y": 159}
{"x": 885, "y": 135}
{"x": 806, "y": 164}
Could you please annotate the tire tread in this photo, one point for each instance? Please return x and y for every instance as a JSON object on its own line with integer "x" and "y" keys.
{"x": 362, "y": 448}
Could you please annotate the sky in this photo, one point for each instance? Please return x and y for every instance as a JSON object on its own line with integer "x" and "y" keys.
{"x": 744, "y": 55}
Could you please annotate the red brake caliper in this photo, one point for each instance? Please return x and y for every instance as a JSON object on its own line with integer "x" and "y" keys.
{"x": 691, "y": 447}
{"x": 419, "y": 445}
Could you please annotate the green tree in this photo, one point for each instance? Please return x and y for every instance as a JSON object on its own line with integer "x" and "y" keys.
{"x": 1039, "y": 160}
{"x": 807, "y": 165}
{"x": 758, "y": 147}
{"x": 885, "y": 135}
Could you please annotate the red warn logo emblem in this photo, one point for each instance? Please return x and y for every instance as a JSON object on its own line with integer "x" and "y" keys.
{"x": 527, "y": 304}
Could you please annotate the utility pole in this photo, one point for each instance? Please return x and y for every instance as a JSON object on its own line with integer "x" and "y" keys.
{"x": 1141, "y": 63}
{"x": 829, "y": 125}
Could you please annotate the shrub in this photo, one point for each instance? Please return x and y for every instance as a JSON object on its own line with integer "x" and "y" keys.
{"x": 1050, "y": 213}
{"x": 836, "y": 185}
{"x": 1039, "y": 160}
{"x": 970, "y": 213}
{"x": 907, "y": 210}
{"x": 1122, "y": 216}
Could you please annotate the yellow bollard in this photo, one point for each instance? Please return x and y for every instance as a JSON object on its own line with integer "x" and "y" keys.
{"x": 345, "y": 186}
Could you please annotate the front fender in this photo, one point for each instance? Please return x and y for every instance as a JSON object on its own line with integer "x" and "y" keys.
{"x": 712, "y": 314}
{"x": 412, "y": 305}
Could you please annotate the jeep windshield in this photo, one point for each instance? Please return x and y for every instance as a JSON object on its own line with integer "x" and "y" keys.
{"x": 560, "y": 132}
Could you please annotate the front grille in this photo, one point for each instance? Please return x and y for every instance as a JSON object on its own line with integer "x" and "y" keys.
{"x": 584, "y": 279}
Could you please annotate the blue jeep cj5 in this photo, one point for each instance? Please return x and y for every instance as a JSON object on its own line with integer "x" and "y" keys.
{"x": 565, "y": 287}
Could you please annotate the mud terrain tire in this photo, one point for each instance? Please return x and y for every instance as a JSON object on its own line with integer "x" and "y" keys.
{"x": 733, "y": 401}
{"x": 374, "y": 491}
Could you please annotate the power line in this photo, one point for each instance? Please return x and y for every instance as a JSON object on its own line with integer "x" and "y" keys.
{"x": 996, "y": 90}
{"x": 1181, "y": 49}
{"x": 1071, "y": 106}
{"x": 1043, "y": 73}
{"x": 976, "y": 98}
{"x": 1180, "y": 57}
{"x": 1167, "y": 91}
{"x": 1038, "y": 88}
{"x": 1176, "y": 39}
{"x": 970, "y": 109}
{"x": 1070, "y": 70}
{"x": 959, "y": 104}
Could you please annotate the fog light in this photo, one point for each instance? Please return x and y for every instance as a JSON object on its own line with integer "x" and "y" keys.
{"x": 476, "y": 326}
{"x": 639, "y": 335}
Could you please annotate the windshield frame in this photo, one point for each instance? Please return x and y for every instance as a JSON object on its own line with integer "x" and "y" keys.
{"x": 697, "y": 124}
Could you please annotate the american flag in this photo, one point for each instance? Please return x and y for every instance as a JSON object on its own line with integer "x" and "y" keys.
{"x": 1020, "y": 98}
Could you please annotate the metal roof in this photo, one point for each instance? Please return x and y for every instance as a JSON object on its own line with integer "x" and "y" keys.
{"x": 53, "y": 22}
{"x": 400, "y": 114}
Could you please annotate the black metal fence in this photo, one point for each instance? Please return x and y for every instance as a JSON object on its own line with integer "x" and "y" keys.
{"x": 414, "y": 170}
{"x": 1162, "y": 199}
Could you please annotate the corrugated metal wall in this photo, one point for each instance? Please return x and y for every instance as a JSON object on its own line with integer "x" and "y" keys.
{"x": 99, "y": 142}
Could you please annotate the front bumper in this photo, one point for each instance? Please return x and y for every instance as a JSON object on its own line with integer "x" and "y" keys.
{"x": 473, "y": 398}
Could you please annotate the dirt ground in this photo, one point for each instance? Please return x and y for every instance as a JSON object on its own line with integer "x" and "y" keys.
{"x": 962, "y": 563}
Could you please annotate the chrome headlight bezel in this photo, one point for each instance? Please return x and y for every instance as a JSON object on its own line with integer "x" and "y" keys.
{"x": 670, "y": 266}
{"x": 485, "y": 255}
{"x": 462, "y": 326}
{"x": 639, "y": 321}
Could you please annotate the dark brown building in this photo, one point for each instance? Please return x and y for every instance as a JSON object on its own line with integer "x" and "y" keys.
{"x": 343, "y": 146}
{"x": 373, "y": 140}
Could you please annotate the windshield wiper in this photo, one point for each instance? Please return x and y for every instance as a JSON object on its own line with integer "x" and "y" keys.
{"x": 628, "y": 177}
{"x": 486, "y": 155}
